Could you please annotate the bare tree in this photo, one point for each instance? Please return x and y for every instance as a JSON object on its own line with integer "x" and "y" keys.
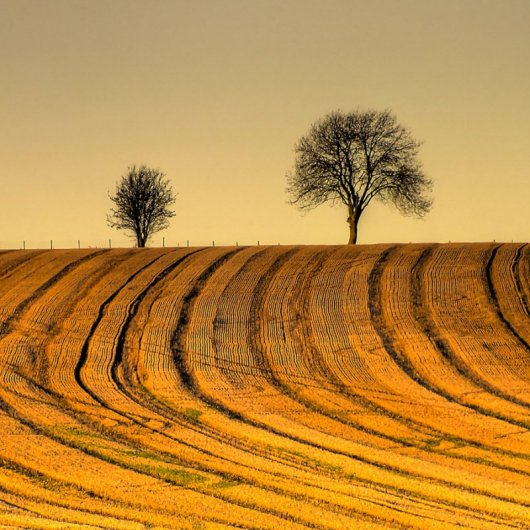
{"x": 141, "y": 199}
{"x": 353, "y": 158}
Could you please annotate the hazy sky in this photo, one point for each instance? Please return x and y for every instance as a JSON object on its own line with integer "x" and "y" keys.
{"x": 216, "y": 93}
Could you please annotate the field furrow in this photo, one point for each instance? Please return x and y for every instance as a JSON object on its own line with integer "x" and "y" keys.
{"x": 370, "y": 387}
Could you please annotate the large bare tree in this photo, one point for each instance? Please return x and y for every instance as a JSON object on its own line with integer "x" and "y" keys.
{"x": 141, "y": 200}
{"x": 355, "y": 157}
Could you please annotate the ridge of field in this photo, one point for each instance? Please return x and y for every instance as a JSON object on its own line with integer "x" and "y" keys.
{"x": 325, "y": 387}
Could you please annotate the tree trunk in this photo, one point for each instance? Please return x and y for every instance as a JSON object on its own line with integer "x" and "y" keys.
{"x": 353, "y": 220}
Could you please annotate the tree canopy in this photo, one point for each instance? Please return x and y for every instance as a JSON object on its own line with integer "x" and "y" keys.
{"x": 142, "y": 199}
{"x": 355, "y": 157}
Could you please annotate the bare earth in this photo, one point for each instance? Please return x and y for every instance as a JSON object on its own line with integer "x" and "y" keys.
{"x": 381, "y": 386}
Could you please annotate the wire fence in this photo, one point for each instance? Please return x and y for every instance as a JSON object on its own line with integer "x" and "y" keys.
{"x": 54, "y": 244}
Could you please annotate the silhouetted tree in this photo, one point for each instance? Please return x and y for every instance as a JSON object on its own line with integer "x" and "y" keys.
{"x": 353, "y": 158}
{"x": 141, "y": 199}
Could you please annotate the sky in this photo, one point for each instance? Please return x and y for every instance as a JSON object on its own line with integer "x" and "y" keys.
{"x": 215, "y": 93}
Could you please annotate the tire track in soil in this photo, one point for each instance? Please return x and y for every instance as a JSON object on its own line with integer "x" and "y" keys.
{"x": 523, "y": 294}
{"x": 183, "y": 420}
{"x": 407, "y": 367}
{"x": 6, "y": 325}
{"x": 42, "y": 375}
{"x": 119, "y": 355}
{"x": 187, "y": 377}
{"x": 160, "y": 276}
{"x": 102, "y": 310}
{"x": 52, "y": 484}
{"x": 307, "y": 344}
{"x": 37, "y": 294}
{"x": 22, "y": 259}
{"x": 494, "y": 301}
{"x": 432, "y": 331}
{"x": 167, "y": 412}
{"x": 241, "y": 479}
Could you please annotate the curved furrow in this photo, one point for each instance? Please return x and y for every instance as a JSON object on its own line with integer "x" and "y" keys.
{"x": 422, "y": 438}
{"x": 237, "y": 415}
{"x": 93, "y": 369}
{"x": 47, "y": 324}
{"x": 20, "y": 356}
{"x": 193, "y": 379}
{"x": 58, "y": 457}
{"x": 141, "y": 408}
{"x": 471, "y": 333}
{"x": 11, "y": 260}
{"x": 287, "y": 330}
{"x": 237, "y": 334}
{"x": 412, "y": 337}
{"x": 515, "y": 361}
{"x": 437, "y": 398}
{"x": 303, "y": 331}
{"x": 314, "y": 386}
{"x": 505, "y": 280}
{"x": 139, "y": 471}
{"x": 57, "y": 512}
{"x": 203, "y": 367}
{"x": 330, "y": 344}
{"x": 64, "y": 358}
{"x": 239, "y": 478}
{"x": 522, "y": 277}
{"x": 479, "y": 393}
{"x": 467, "y": 386}
{"x": 65, "y": 348}
{"x": 15, "y": 299}
{"x": 291, "y": 387}
{"x": 269, "y": 462}
{"x": 406, "y": 397}
{"x": 152, "y": 345}
{"x": 363, "y": 339}
{"x": 34, "y": 329}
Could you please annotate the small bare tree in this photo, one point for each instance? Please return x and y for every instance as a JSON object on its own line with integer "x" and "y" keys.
{"x": 141, "y": 199}
{"x": 354, "y": 158}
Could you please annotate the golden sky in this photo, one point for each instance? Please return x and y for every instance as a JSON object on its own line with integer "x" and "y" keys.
{"x": 216, "y": 93}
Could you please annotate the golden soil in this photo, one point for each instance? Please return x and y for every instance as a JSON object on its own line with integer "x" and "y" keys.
{"x": 381, "y": 386}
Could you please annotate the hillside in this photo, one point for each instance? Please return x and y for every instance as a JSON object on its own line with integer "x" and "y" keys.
{"x": 381, "y": 386}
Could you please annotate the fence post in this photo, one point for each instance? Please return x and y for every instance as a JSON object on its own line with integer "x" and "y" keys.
{"x": 24, "y": 244}
{"x": 163, "y": 242}
{"x": 51, "y": 244}
{"x": 110, "y": 243}
{"x": 187, "y": 242}
{"x": 78, "y": 243}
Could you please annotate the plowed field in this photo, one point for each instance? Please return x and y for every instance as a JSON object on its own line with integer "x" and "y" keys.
{"x": 381, "y": 386}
